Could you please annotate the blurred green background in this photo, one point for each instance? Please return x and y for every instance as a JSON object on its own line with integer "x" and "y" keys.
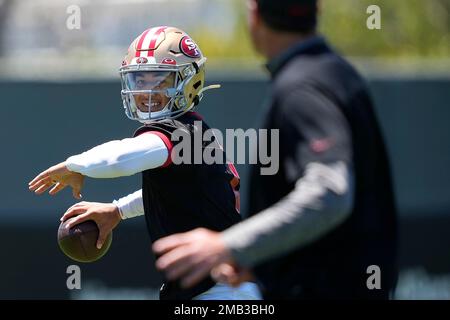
{"x": 61, "y": 95}
{"x": 414, "y": 37}
{"x": 410, "y": 29}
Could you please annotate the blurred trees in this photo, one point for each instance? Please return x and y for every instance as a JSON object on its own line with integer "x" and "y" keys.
{"x": 414, "y": 28}
{"x": 410, "y": 28}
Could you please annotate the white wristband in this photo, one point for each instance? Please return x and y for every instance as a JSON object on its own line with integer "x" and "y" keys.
{"x": 130, "y": 206}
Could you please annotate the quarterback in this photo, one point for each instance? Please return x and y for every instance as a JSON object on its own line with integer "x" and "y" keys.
{"x": 163, "y": 79}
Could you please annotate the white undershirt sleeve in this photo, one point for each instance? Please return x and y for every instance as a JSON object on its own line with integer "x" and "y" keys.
{"x": 121, "y": 157}
{"x": 130, "y": 206}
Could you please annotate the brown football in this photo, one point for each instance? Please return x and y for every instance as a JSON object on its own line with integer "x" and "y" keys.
{"x": 79, "y": 242}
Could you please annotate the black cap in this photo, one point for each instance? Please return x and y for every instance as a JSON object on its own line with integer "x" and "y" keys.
{"x": 289, "y": 15}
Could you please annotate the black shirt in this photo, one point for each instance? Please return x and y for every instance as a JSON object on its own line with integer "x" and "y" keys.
{"x": 179, "y": 198}
{"x": 325, "y": 114}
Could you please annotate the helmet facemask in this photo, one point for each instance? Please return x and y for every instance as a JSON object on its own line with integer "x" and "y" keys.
{"x": 156, "y": 92}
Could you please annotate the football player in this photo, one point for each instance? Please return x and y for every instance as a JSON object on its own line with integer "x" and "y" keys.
{"x": 163, "y": 79}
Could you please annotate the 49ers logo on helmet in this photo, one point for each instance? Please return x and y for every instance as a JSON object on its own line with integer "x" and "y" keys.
{"x": 169, "y": 61}
{"x": 189, "y": 48}
{"x": 141, "y": 60}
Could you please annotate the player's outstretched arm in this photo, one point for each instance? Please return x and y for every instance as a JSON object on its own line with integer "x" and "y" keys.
{"x": 121, "y": 157}
{"x": 57, "y": 178}
{"x": 110, "y": 160}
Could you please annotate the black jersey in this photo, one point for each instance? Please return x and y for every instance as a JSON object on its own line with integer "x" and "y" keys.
{"x": 181, "y": 197}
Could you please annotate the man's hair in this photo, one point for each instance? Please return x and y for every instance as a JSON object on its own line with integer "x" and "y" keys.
{"x": 289, "y": 15}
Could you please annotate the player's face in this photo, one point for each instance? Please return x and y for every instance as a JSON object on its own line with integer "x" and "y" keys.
{"x": 159, "y": 81}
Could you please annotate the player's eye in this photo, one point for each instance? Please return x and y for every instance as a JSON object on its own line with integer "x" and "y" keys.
{"x": 160, "y": 85}
{"x": 140, "y": 83}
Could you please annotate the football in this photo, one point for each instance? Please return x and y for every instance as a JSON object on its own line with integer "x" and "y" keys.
{"x": 79, "y": 242}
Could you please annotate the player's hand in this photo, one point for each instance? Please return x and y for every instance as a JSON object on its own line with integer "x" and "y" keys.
{"x": 231, "y": 274}
{"x": 106, "y": 215}
{"x": 191, "y": 256}
{"x": 58, "y": 177}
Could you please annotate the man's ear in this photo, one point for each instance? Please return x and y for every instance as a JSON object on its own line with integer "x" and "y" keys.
{"x": 319, "y": 7}
{"x": 255, "y": 24}
{"x": 253, "y": 14}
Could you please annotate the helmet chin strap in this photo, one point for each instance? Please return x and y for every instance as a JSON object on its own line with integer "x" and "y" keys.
{"x": 146, "y": 116}
{"x": 142, "y": 115}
